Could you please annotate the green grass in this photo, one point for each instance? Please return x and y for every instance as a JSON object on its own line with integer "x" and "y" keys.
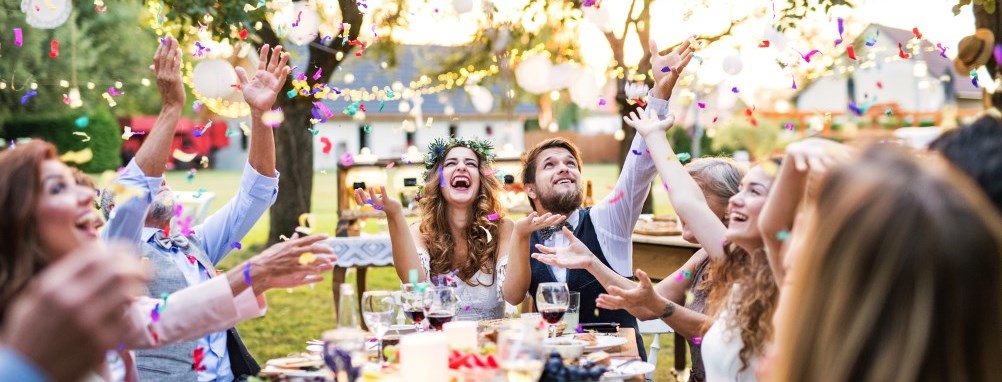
{"x": 297, "y": 315}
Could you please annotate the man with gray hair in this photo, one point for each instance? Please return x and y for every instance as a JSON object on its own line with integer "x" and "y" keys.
{"x": 188, "y": 256}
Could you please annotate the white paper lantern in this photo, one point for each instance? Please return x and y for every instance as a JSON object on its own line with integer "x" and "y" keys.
{"x": 584, "y": 90}
{"x": 213, "y": 78}
{"x": 46, "y": 14}
{"x": 562, "y": 74}
{"x": 482, "y": 98}
{"x": 732, "y": 64}
{"x": 462, "y": 6}
{"x": 532, "y": 74}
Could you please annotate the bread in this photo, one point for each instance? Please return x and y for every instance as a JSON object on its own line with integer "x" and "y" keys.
{"x": 599, "y": 358}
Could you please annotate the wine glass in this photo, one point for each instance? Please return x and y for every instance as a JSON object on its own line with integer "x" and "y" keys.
{"x": 442, "y": 305}
{"x": 520, "y": 352}
{"x": 552, "y": 300}
{"x": 344, "y": 353}
{"x": 415, "y": 303}
{"x": 377, "y": 311}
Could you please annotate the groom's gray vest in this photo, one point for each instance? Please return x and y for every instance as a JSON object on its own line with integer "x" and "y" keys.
{"x": 175, "y": 362}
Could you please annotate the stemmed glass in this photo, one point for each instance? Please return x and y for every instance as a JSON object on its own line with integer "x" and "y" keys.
{"x": 415, "y": 303}
{"x": 378, "y": 308}
{"x": 442, "y": 305}
{"x": 552, "y": 300}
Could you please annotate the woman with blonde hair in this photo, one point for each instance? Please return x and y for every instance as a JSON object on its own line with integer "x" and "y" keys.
{"x": 463, "y": 238}
{"x": 898, "y": 278}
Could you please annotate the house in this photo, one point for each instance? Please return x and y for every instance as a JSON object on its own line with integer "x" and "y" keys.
{"x": 925, "y": 82}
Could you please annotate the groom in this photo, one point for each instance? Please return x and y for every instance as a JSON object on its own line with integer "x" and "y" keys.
{"x": 551, "y": 173}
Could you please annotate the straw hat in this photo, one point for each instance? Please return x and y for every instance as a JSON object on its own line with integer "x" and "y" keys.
{"x": 974, "y": 51}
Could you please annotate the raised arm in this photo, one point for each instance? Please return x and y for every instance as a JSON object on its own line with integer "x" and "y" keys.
{"x": 685, "y": 195}
{"x": 780, "y": 210}
{"x": 578, "y": 256}
{"x": 405, "y": 256}
{"x": 260, "y": 93}
{"x": 643, "y": 302}
{"x": 518, "y": 273}
{"x": 153, "y": 154}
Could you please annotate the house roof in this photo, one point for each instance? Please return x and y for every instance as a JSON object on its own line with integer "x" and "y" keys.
{"x": 413, "y": 62}
{"x": 937, "y": 64}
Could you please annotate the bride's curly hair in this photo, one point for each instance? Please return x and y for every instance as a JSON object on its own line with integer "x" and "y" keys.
{"x": 482, "y": 247}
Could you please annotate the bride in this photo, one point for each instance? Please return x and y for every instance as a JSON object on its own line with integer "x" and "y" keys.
{"x": 462, "y": 238}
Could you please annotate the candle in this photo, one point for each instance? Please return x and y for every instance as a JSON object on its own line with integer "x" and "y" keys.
{"x": 424, "y": 357}
{"x": 462, "y": 335}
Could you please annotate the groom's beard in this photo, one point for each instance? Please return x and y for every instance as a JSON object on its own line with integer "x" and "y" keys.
{"x": 562, "y": 203}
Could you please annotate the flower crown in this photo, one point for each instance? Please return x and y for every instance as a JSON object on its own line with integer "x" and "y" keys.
{"x": 437, "y": 149}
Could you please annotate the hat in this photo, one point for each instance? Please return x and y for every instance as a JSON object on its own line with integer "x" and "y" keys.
{"x": 974, "y": 51}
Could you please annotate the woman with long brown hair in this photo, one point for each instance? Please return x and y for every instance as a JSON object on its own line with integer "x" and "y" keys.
{"x": 463, "y": 238}
{"x": 897, "y": 279}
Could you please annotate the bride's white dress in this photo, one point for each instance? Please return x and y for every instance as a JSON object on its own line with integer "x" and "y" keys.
{"x": 721, "y": 345}
{"x": 476, "y": 303}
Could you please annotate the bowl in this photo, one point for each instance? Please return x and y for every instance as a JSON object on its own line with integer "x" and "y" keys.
{"x": 569, "y": 349}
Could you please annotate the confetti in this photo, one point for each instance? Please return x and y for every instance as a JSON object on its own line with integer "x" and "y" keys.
{"x": 191, "y": 175}
{"x": 841, "y": 31}
{"x": 889, "y": 112}
{"x": 617, "y": 198}
{"x": 82, "y": 156}
{"x": 155, "y": 313}
{"x": 493, "y": 216}
{"x": 682, "y": 276}
{"x": 114, "y": 92}
{"x": 247, "y": 273}
{"x": 347, "y": 159}
{"x": 327, "y": 145}
{"x": 18, "y": 37}
{"x": 794, "y": 87}
{"x": 83, "y": 134}
{"x": 916, "y": 32}
{"x": 735, "y": 90}
{"x": 851, "y": 52}
{"x": 636, "y": 152}
{"x": 942, "y": 50}
{"x": 880, "y": 85}
{"x": 197, "y": 356}
{"x": 27, "y": 96}
{"x": 306, "y": 223}
{"x": 684, "y": 157}
{"x": 902, "y": 54}
{"x": 764, "y": 44}
{"x": 974, "y": 78}
{"x": 199, "y": 132}
{"x": 183, "y": 156}
{"x": 601, "y": 102}
{"x": 789, "y": 126}
{"x": 871, "y": 41}
{"x": 313, "y": 131}
{"x": 243, "y": 34}
{"x": 199, "y": 192}
{"x": 783, "y": 235}
{"x": 807, "y": 57}
{"x": 236, "y": 245}
{"x": 54, "y": 48}
{"x": 441, "y": 178}
{"x": 667, "y": 189}
{"x": 697, "y": 340}
{"x": 666, "y": 69}
{"x": 316, "y": 76}
{"x": 390, "y": 165}
{"x": 702, "y": 105}
{"x": 307, "y": 258}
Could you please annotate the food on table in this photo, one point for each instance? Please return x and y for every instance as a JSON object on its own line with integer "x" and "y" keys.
{"x": 554, "y": 370}
{"x": 460, "y": 360}
{"x": 599, "y": 358}
{"x": 590, "y": 338}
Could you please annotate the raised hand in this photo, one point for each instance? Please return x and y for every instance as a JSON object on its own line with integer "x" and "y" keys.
{"x": 575, "y": 256}
{"x": 535, "y": 222}
{"x": 816, "y": 154}
{"x": 284, "y": 265}
{"x": 260, "y": 92}
{"x": 647, "y": 123}
{"x": 641, "y": 301}
{"x": 167, "y": 68}
{"x": 667, "y": 68}
{"x": 381, "y": 201}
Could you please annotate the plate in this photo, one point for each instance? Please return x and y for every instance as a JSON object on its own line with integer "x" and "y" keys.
{"x": 602, "y": 342}
{"x": 634, "y": 369}
{"x": 296, "y": 363}
{"x": 315, "y": 348}
{"x": 402, "y": 329}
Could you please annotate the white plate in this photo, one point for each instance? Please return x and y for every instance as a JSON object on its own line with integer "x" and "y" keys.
{"x": 602, "y": 342}
{"x": 632, "y": 370}
{"x": 314, "y": 348}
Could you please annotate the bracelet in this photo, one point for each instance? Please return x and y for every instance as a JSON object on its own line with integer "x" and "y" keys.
{"x": 668, "y": 310}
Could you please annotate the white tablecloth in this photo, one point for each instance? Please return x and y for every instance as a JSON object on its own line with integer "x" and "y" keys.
{"x": 358, "y": 251}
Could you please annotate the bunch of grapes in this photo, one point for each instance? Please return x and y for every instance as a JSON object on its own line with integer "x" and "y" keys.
{"x": 555, "y": 371}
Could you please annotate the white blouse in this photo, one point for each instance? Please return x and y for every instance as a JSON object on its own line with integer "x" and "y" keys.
{"x": 721, "y": 347}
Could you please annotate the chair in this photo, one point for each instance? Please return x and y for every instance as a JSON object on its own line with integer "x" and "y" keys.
{"x": 195, "y": 207}
{"x": 657, "y": 328}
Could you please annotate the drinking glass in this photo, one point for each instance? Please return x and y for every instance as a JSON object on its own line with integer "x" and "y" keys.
{"x": 415, "y": 303}
{"x": 573, "y": 309}
{"x": 344, "y": 353}
{"x": 552, "y": 300}
{"x": 520, "y": 352}
{"x": 378, "y": 308}
{"x": 442, "y": 305}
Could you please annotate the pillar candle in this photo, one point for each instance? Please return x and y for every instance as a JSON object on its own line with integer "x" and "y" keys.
{"x": 424, "y": 357}
{"x": 462, "y": 335}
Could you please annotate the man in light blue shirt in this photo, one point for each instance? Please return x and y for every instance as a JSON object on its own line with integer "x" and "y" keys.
{"x": 17, "y": 368}
{"x": 189, "y": 255}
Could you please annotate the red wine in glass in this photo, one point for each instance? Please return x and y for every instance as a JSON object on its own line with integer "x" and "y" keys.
{"x": 437, "y": 319}
{"x": 415, "y": 315}
{"x": 553, "y": 315}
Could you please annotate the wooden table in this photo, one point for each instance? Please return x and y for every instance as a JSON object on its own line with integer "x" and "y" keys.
{"x": 660, "y": 256}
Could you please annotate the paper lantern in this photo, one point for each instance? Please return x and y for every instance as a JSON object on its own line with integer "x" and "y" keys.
{"x": 307, "y": 24}
{"x": 562, "y": 75}
{"x": 46, "y": 14}
{"x": 213, "y": 78}
{"x": 462, "y": 6}
{"x": 732, "y": 64}
{"x": 584, "y": 90}
{"x": 481, "y": 98}
{"x": 532, "y": 74}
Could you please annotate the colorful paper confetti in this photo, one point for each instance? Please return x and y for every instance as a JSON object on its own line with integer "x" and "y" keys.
{"x": 783, "y": 235}
{"x": 18, "y": 37}
{"x": 236, "y": 245}
{"x": 492, "y": 216}
{"x": 247, "y": 273}
{"x": 54, "y": 48}
{"x": 902, "y": 54}
{"x": 27, "y": 96}
{"x": 851, "y": 52}
{"x": 327, "y": 145}
{"x": 763, "y": 44}
{"x": 86, "y": 138}
{"x": 155, "y": 313}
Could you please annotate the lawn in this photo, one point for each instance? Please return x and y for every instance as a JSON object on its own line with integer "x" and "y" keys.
{"x": 297, "y": 315}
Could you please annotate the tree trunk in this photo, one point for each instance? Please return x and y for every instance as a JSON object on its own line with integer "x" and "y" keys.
{"x": 294, "y": 149}
{"x": 993, "y": 22}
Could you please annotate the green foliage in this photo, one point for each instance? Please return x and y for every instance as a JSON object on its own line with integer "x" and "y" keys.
{"x": 105, "y": 139}
{"x": 103, "y": 48}
{"x": 988, "y": 5}
{"x": 791, "y": 12}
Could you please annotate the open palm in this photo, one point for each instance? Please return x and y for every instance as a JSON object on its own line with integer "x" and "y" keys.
{"x": 668, "y": 67}
{"x": 574, "y": 256}
{"x": 261, "y": 90}
{"x": 640, "y": 301}
{"x": 646, "y": 123}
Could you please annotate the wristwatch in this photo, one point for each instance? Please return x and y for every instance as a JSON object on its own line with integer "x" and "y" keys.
{"x": 668, "y": 310}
